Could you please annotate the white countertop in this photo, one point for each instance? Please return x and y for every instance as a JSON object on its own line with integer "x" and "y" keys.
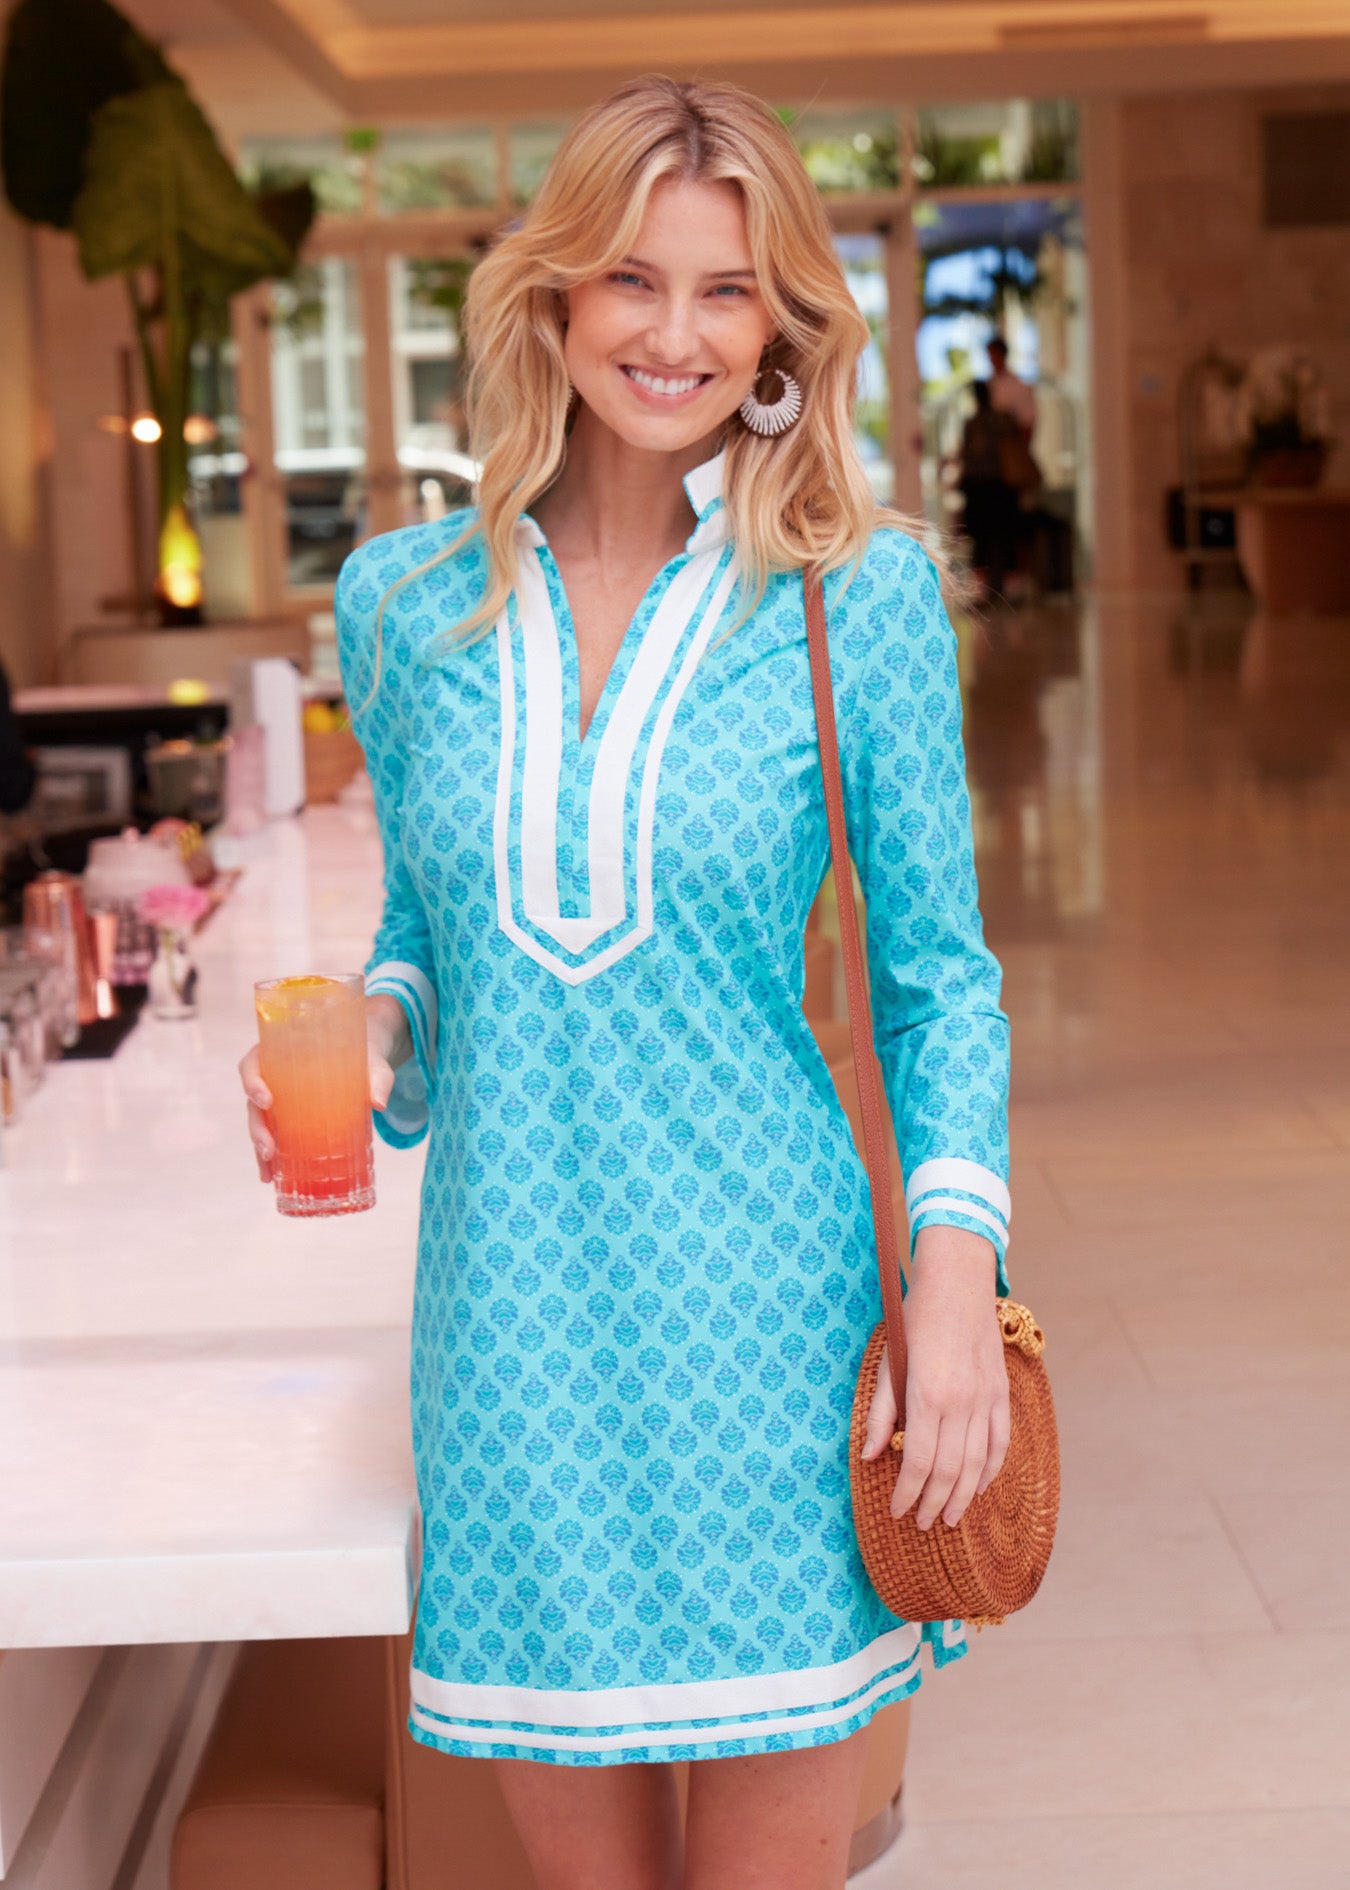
{"x": 203, "y": 1404}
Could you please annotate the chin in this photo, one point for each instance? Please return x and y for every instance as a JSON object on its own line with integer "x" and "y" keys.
{"x": 661, "y": 434}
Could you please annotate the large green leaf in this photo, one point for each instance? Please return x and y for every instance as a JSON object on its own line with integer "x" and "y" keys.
{"x": 155, "y": 178}
{"x": 63, "y": 59}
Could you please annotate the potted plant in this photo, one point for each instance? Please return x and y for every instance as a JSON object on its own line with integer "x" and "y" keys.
{"x": 99, "y": 136}
{"x": 1282, "y": 410}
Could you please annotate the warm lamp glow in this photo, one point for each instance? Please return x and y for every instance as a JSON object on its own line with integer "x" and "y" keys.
{"x": 180, "y": 561}
{"x": 186, "y": 691}
{"x": 181, "y": 585}
{"x": 146, "y": 429}
{"x": 199, "y": 429}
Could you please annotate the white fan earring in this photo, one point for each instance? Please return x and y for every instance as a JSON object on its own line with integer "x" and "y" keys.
{"x": 774, "y": 416}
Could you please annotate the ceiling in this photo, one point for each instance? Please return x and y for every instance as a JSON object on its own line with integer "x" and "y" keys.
{"x": 385, "y": 59}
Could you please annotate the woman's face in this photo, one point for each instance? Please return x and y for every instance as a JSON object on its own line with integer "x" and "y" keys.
{"x": 664, "y": 347}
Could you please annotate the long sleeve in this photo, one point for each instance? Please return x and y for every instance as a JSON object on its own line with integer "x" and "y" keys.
{"x": 941, "y": 1037}
{"x": 402, "y": 960}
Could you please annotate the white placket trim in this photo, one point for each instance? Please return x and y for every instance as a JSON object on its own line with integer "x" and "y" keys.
{"x": 542, "y": 771}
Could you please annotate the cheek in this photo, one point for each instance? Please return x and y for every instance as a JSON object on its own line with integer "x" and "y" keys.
{"x": 743, "y": 339}
{"x": 594, "y": 326}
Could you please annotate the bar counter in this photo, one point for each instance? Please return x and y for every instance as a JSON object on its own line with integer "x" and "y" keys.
{"x": 203, "y": 1405}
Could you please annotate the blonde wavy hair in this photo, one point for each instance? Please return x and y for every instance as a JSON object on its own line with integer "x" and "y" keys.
{"x": 801, "y": 497}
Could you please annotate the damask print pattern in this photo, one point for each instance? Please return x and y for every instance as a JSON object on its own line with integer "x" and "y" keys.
{"x": 645, "y": 1270}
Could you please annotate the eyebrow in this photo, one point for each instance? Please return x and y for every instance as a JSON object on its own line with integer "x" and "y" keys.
{"x": 713, "y": 274}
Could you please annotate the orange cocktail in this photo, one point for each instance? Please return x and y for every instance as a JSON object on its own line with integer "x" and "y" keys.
{"x": 312, "y": 1057}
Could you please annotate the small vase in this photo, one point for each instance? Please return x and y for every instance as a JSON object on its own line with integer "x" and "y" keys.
{"x": 172, "y": 982}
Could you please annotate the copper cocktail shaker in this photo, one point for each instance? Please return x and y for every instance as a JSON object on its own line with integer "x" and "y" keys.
{"x": 103, "y": 937}
{"x": 53, "y": 903}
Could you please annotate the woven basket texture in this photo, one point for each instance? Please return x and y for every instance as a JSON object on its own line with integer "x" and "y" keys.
{"x": 992, "y": 1562}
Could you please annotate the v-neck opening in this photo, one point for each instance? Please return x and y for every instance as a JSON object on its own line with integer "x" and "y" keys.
{"x": 703, "y": 489}
{"x": 582, "y": 744}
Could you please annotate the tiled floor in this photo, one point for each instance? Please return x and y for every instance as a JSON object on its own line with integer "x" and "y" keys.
{"x": 1163, "y": 815}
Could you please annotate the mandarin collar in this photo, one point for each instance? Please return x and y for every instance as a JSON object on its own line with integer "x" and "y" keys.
{"x": 703, "y": 488}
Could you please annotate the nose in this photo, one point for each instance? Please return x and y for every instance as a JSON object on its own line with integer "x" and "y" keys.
{"x": 671, "y": 337}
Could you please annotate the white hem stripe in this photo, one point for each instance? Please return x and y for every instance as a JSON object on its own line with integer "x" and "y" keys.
{"x": 645, "y": 1736}
{"x": 669, "y": 1700}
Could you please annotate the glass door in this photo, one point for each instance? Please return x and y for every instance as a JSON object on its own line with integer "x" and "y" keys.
{"x": 863, "y": 260}
{"x": 1009, "y": 265}
{"x": 318, "y": 372}
{"x": 430, "y": 429}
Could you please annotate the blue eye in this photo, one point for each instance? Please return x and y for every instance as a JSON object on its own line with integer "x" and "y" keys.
{"x": 626, "y": 275}
{"x": 734, "y": 287}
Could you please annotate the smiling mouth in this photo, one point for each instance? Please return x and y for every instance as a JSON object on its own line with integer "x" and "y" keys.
{"x": 665, "y": 386}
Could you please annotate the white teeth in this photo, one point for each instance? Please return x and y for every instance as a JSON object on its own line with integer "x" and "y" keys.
{"x": 657, "y": 385}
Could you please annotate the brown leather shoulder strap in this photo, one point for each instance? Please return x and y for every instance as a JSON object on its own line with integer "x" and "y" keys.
{"x": 855, "y": 983}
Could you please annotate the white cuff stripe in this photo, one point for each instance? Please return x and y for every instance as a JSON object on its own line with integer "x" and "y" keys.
{"x": 953, "y": 1171}
{"x": 952, "y": 1198}
{"x": 946, "y": 1205}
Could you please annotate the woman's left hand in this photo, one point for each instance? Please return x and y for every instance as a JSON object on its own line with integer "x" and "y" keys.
{"x": 956, "y": 1386}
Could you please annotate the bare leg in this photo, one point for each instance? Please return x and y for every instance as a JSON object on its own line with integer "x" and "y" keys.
{"x": 774, "y": 1821}
{"x": 596, "y": 1827}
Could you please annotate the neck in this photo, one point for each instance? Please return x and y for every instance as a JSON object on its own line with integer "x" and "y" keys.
{"x": 618, "y": 503}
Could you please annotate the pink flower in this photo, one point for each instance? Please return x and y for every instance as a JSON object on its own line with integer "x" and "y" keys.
{"x": 176, "y": 908}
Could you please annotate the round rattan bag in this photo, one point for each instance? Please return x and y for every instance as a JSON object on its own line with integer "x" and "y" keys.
{"x": 992, "y": 1561}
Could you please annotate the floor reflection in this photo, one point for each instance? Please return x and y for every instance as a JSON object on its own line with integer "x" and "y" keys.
{"x": 1109, "y": 724}
{"x": 1162, "y": 807}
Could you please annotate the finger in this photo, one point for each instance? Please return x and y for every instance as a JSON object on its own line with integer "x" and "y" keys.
{"x": 977, "y": 1449}
{"x": 999, "y": 1435}
{"x": 260, "y": 1134}
{"x": 947, "y": 1462}
{"x": 881, "y": 1413}
{"x": 381, "y": 1081}
{"x": 916, "y": 1462}
{"x": 254, "y": 1087}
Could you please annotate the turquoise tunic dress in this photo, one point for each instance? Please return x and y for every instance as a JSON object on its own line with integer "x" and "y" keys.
{"x": 646, "y": 1270}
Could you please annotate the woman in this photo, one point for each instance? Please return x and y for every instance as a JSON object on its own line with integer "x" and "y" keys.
{"x": 646, "y": 1271}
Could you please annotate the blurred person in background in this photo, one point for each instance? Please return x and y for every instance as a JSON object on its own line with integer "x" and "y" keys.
{"x": 991, "y": 503}
{"x": 1008, "y": 392}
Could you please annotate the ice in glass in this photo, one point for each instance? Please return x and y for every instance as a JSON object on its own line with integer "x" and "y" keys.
{"x": 312, "y": 1057}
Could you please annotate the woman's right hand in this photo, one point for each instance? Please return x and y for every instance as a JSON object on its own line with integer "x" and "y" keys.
{"x": 388, "y": 1043}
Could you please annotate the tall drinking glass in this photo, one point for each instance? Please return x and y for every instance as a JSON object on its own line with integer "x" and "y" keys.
{"x": 312, "y": 1057}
